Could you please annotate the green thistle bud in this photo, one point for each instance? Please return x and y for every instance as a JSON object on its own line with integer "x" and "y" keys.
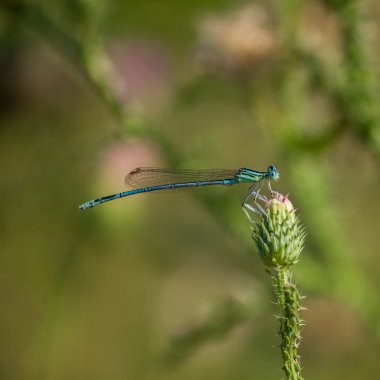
{"x": 279, "y": 235}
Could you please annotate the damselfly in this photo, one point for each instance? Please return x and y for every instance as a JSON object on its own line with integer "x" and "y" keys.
{"x": 143, "y": 180}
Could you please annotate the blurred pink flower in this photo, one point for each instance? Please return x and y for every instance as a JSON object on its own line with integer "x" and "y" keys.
{"x": 319, "y": 31}
{"x": 141, "y": 72}
{"x": 121, "y": 157}
{"x": 238, "y": 42}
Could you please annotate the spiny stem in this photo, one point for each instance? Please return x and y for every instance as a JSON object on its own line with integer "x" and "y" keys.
{"x": 279, "y": 238}
{"x": 288, "y": 299}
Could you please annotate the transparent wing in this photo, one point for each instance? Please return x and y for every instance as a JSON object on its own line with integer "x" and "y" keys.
{"x": 145, "y": 177}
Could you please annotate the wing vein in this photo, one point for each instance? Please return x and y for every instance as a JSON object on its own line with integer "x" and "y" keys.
{"x": 145, "y": 177}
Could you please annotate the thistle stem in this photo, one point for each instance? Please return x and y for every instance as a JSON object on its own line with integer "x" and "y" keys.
{"x": 279, "y": 238}
{"x": 288, "y": 299}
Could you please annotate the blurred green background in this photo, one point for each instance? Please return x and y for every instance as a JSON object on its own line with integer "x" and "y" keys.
{"x": 169, "y": 286}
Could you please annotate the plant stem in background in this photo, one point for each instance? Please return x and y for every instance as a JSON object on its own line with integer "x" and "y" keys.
{"x": 279, "y": 237}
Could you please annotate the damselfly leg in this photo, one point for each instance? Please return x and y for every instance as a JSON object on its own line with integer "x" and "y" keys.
{"x": 270, "y": 188}
{"x": 254, "y": 191}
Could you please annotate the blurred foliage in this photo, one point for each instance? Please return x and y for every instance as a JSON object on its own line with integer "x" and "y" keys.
{"x": 89, "y": 90}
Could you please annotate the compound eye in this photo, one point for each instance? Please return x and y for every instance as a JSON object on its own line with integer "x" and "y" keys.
{"x": 270, "y": 168}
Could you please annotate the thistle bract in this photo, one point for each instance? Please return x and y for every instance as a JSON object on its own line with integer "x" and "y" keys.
{"x": 279, "y": 235}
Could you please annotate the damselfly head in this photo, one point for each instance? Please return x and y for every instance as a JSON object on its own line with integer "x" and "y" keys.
{"x": 273, "y": 173}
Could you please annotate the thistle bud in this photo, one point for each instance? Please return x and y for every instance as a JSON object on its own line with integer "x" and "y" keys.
{"x": 279, "y": 235}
